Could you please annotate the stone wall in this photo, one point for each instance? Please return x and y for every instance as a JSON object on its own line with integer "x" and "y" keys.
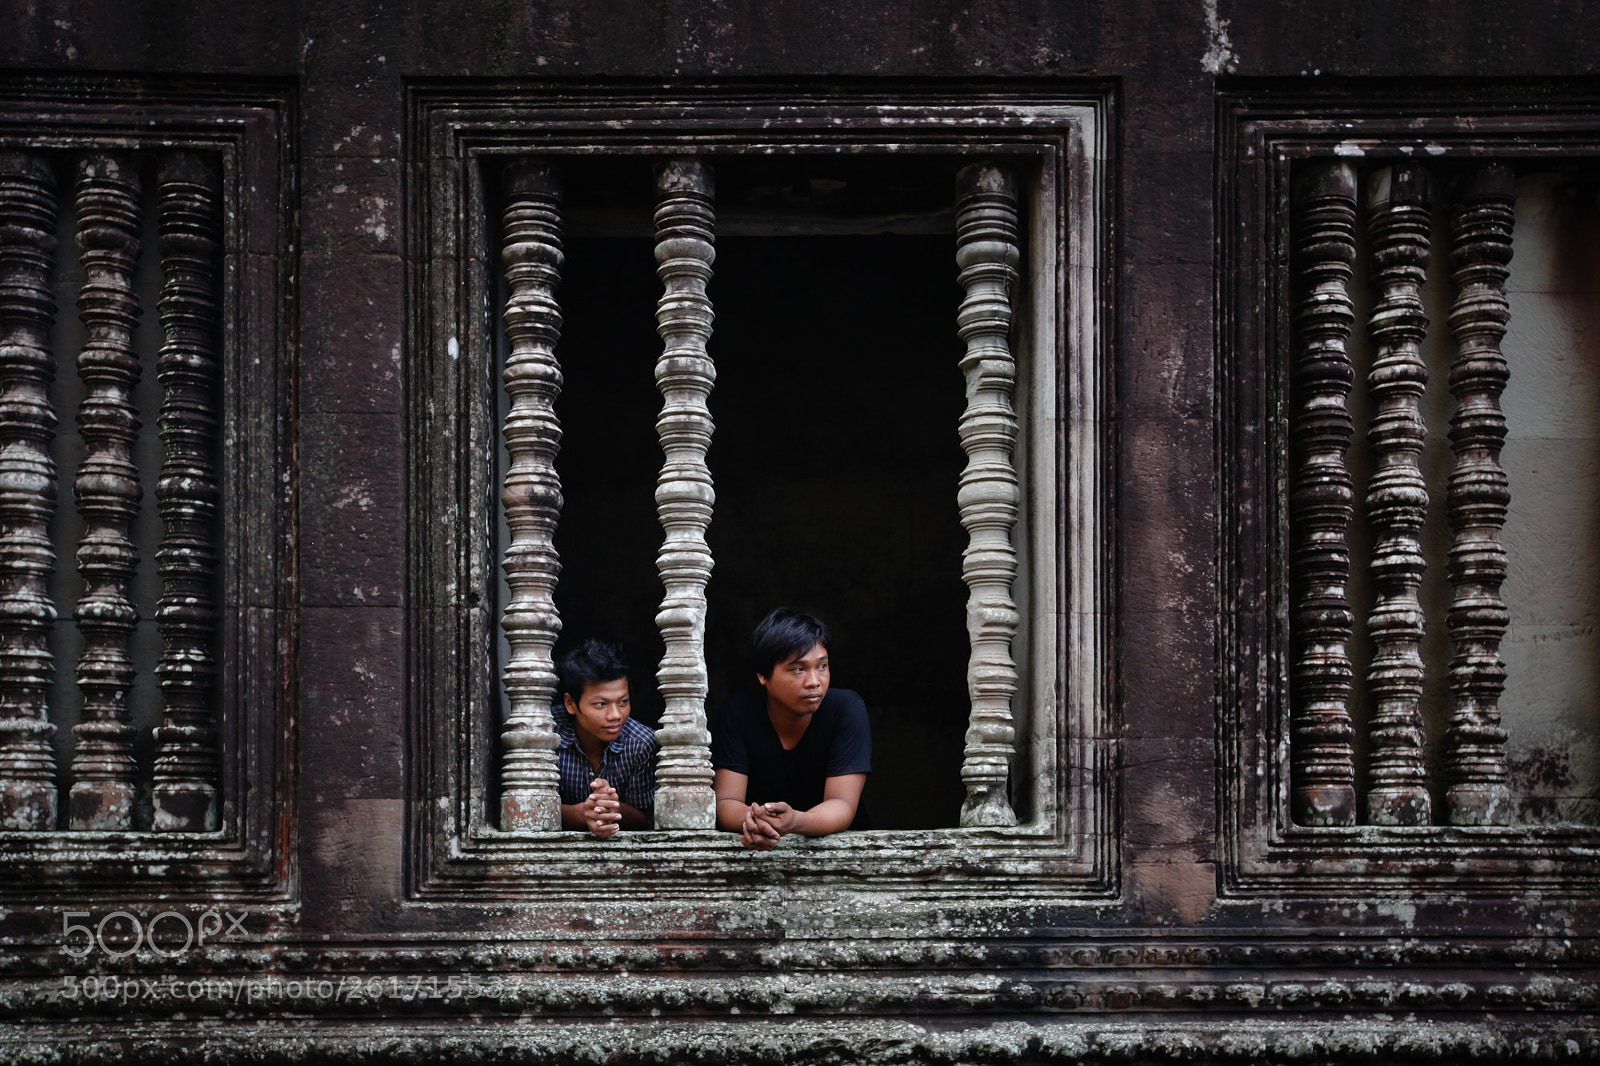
{"x": 358, "y": 898}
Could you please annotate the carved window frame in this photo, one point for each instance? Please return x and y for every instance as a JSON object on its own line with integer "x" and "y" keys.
{"x": 454, "y": 132}
{"x": 247, "y": 130}
{"x": 1262, "y": 136}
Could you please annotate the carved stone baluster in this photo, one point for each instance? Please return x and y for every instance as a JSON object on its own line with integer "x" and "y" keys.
{"x": 1397, "y": 497}
{"x": 107, "y": 490}
{"x": 989, "y": 496}
{"x": 1475, "y": 760}
{"x": 27, "y": 491}
{"x": 1321, "y": 499}
{"x": 685, "y": 220}
{"x": 529, "y": 794}
{"x": 188, "y": 211}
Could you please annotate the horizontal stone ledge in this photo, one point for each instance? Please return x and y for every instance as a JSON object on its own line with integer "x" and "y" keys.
{"x": 1569, "y": 1039}
{"x": 847, "y": 997}
{"x": 941, "y": 947}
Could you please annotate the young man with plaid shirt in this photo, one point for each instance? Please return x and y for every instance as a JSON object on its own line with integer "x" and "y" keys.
{"x": 606, "y": 760}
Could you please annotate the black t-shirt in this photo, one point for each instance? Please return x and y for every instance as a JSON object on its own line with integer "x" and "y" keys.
{"x": 838, "y": 741}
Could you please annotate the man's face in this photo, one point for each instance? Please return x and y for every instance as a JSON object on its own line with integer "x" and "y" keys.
{"x": 799, "y": 683}
{"x": 598, "y": 717}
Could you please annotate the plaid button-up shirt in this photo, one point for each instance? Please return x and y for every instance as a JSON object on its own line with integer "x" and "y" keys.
{"x": 629, "y": 763}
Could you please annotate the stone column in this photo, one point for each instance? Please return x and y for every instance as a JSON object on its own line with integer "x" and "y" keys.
{"x": 989, "y": 496}
{"x": 27, "y": 491}
{"x": 188, "y": 211}
{"x": 529, "y": 795}
{"x": 107, "y": 489}
{"x": 1397, "y": 497}
{"x": 1321, "y": 498}
{"x": 685, "y": 230}
{"x": 1478, "y": 495}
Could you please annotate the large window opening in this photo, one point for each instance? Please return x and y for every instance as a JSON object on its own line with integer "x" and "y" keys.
{"x": 900, "y": 299}
{"x": 836, "y": 456}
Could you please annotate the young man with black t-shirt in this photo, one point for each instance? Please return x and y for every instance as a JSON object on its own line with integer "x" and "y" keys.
{"x": 792, "y": 756}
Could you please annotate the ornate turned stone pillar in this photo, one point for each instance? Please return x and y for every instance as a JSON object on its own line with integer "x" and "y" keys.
{"x": 188, "y": 211}
{"x": 1475, "y": 761}
{"x": 529, "y": 795}
{"x": 27, "y": 491}
{"x": 1397, "y": 497}
{"x": 685, "y": 231}
{"x": 1321, "y": 498}
{"x": 107, "y": 489}
{"x": 989, "y": 496}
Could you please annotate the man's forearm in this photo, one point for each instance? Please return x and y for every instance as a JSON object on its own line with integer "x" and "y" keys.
{"x": 633, "y": 817}
{"x": 730, "y": 814}
{"x": 572, "y": 816}
{"x": 829, "y": 816}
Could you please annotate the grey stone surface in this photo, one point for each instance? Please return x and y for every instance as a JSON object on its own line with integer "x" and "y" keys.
{"x": 1156, "y": 903}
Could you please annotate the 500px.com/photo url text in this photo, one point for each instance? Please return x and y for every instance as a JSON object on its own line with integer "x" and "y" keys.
{"x": 112, "y": 988}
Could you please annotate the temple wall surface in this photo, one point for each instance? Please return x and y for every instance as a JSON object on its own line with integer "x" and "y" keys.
{"x": 362, "y": 895}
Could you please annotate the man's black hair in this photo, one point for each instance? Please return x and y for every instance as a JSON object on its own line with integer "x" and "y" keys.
{"x": 594, "y": 662}
{"x": 782, "y": 635}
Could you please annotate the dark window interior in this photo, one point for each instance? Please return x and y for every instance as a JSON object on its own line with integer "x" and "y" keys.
{"x": 835, "y": 455}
